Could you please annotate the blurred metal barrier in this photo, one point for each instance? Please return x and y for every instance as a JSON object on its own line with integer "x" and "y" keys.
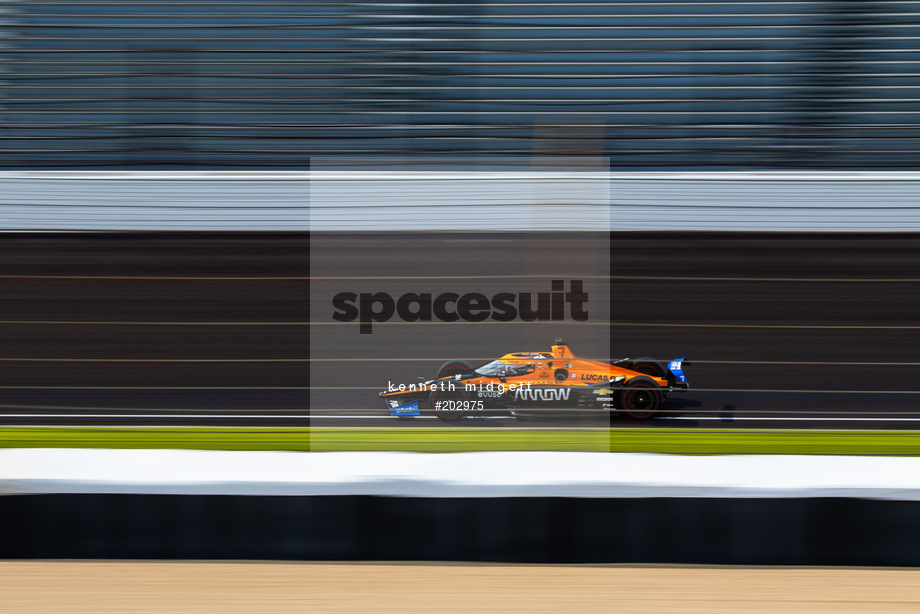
{"x": 147, "y": 201}
{"x": 741, "y": 84}
{"x": 521, "y": 200}
{"x": 718, "y": 531}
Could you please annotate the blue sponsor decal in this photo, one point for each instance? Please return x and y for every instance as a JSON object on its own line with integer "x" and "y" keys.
{"x": 674, "y": 367}
{"x": 406, "y": 409}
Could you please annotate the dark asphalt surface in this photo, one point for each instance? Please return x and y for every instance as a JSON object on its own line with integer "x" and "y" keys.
{"x": 782, "y": 330}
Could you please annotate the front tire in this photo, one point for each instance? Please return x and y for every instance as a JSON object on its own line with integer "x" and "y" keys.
{"x": 451, "y": 397}
{"x": 454, "y": 367}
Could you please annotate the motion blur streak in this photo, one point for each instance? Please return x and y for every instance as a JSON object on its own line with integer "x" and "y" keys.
{"x": 839, "y": 349}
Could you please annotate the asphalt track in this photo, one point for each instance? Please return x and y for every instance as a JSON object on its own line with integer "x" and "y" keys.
{"x": 792, "y": 331}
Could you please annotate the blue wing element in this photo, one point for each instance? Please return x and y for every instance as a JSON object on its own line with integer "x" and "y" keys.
{"x": 406, "y": 409}
{"x": 674, "y": 367}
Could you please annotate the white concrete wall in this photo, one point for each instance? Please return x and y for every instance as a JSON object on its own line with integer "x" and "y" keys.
{"x": 462, "y": 474}
{"x": 323, "y": 200}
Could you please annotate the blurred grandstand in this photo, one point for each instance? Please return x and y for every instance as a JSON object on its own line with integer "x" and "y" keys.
{"x": 650, "y": 85}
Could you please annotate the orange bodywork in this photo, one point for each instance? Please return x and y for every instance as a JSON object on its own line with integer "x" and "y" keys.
{"x": 523, "y": 381}
{"x": 558, "y": 367}
{"x": 579, "y": 371}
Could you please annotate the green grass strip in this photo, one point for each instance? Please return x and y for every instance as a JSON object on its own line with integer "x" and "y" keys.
{"x": 188, "y": 438}
{"x": 461, "y": 439}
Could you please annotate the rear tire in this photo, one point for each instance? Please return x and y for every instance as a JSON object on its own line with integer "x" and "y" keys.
{"x": 647, "y": 366}
{"x": 641, "y": 398}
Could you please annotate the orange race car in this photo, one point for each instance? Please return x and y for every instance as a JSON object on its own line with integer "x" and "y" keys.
{"x": 531, "y": 383}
